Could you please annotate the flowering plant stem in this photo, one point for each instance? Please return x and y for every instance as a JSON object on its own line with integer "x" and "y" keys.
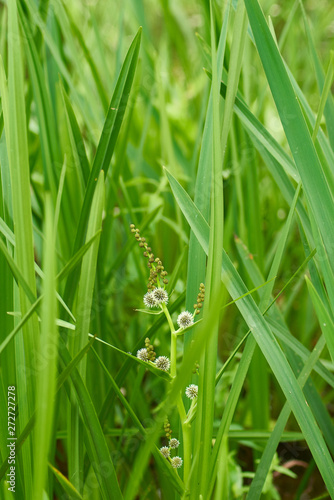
{"x": 173, "y": 340}
{"x": 186, "y": 427}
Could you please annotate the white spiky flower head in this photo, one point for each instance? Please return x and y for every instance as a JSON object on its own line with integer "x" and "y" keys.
{"x": 192, "y": 391}
{"x": 149, "y": 300}
{"x": 142, "y": 354}
{"x": 185, "y": 319}
{"x": 174, "y": 443}
{"x": 176, "y": 462}
{"x": 160, "y": 295}
{"x": 163, "y": 363}
{"x": 165, "y": 451}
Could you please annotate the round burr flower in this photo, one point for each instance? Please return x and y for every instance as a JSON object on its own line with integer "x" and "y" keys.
{"x": 160, "y": 295}
{"x": 142, "y": 354}
{"x": 176, "y": 462}
{"x": 149, "y": 300}
{"x": 185, "y": 319}
{"x": 165, "y": 451}
{"x": 174, "y": 443}
{"x": 163, "y": 363}
{"x": 192, "y": 391}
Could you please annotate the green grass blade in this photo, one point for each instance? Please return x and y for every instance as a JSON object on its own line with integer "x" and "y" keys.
{"x": 18, "y": 327}
{"x": 73, "y": 363}
{"x": 75, "y": 260}
{"x": 258, "y": 374}
{"x": 324, "y": 317}
{"x": 78, "y": 340}
{"x": 196, "y": 274}
{"x": 268, "y": 344}
{"x": 69, "y": 489}
{"x": 312, "y": 396}
{"x": 271, "y": 446}
{"x": 88, "y": 56}
{"x": 205, "y": 404}
{"x": 96, "y": 442}
{"x": 107, "y": 142}
{"x": 255, "y": 127}
{"x": 329, "y": 107}
{"x": 60, "y": 381}
{"x": 85, "y": 107}
{"x": 88, "y": 268}
{"x": 48, "y": 141}
{"x": 324, "y": 95}
{"x": 78, "y": 146}
{"x": 314, "y": 182}
{"x": 111, "y": 128}
{"x": 47, "y": 366}
{"x": 13, "y": 103}
{"x": 151, "y": 368}
{"x": 18, "y": 275}
{"x": 307, "y": 110}
{"x": 283, "y": 334}
{"x": 279, "y": 252}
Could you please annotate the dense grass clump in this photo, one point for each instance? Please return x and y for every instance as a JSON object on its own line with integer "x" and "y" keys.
{"x": 167, "y": 250}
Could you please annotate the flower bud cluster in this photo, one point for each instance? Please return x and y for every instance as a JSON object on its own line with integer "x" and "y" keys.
{"x": 167, "y": 429}
{"x": 150, "y": 350}
{"x": 200, "y": 299}
{"x": 154, "y": 263}
{"x": 147, "y": 354}
{"x": 196, "y": 368}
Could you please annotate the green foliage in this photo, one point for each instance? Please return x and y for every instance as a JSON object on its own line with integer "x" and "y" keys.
{"x": 108, "y": 119}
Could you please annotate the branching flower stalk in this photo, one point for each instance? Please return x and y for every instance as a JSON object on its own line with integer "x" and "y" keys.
{"x": 157, "y": 296}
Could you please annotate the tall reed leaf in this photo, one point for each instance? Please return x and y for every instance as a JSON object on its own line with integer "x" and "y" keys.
{"x": 205, "y": 413}
{"x": 48, "y": 357}
{"x": 315, "y": 185}
{"x": 17, "y": 149}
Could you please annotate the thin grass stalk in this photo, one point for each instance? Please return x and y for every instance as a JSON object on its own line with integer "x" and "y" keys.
{"x": 185, "y": 425}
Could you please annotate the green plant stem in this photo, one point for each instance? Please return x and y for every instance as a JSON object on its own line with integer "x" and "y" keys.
{"x": 172, "y": 342}
{"x": 186, "y": 427}
{"x": 186, "y": 439}
{"x": 192, "y": 411}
